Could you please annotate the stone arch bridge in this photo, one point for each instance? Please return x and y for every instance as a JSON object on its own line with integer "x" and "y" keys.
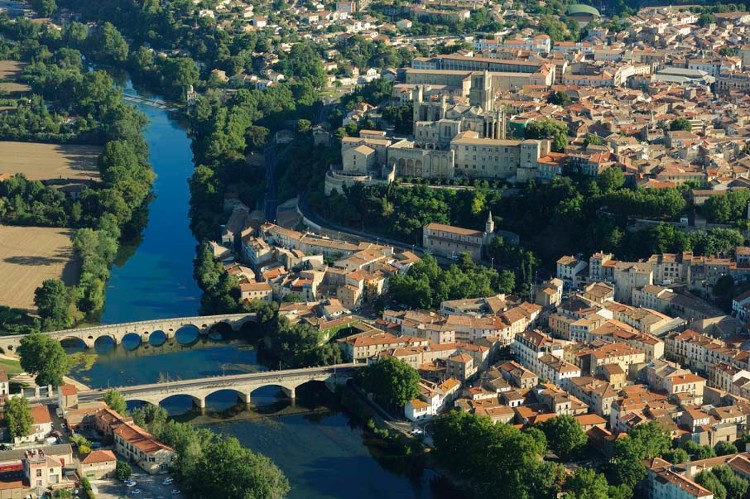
{"x": 242, "y": 384}
{"x": 143, "y": 329}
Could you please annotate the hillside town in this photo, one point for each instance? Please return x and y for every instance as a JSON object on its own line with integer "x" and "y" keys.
{"x": 511, "y": 238}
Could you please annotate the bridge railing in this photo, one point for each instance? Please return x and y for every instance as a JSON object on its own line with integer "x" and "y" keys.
{"x": 135, "y": 325}
{"x": 228, "y": 379}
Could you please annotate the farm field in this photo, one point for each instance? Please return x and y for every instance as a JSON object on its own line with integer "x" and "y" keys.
{"x": 30, "y": 255}
{"x": 10, "y": 70}
{"x": 50, "y": 161}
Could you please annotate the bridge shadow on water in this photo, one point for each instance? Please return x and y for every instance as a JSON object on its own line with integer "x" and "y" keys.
{"x": 312, "y": 401}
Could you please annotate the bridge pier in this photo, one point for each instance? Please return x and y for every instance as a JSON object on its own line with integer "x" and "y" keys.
{"x": 200, "y": 402}
{"x": 289, "y": 392}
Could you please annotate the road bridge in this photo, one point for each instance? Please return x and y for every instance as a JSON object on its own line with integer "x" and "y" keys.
{"x": 143, "y": 329}
{"x": 242, "y": 384}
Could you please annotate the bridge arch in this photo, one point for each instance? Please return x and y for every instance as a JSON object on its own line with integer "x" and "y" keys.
{"x": 266, "y": 392}
{"x": 220, "y": 330}
{"x": 76, "y": 342}
{"x": 157, "y": 338}
{"x": 197, "y": 401}
{"x": 187, "y": 334}
{"x": 131, "y": 340}
{"x": 104, "y": 342}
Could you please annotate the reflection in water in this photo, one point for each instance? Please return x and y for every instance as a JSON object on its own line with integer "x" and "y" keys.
{"x": 321, "y": 449}
{"x": 123, "y": 365}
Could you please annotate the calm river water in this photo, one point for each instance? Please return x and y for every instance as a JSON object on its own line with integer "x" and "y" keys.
{"x": 320, "y": 447}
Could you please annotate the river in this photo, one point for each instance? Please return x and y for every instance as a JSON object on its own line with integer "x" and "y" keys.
{"x": 320, "y": 447}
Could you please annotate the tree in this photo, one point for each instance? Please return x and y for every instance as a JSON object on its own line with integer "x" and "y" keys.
{"x": 81, "y": 443}
{"x": 586, "y": 484}
{"x": 55, "y": 304}
{"x": 551, "y": 129}
{"x": 116, "y": 401}
{"x": 45, "y": 358}
{"x": 708, "y": 480}
{"x": 392, "y": 382}
{"x": 723, "y": 448}
{"x": 122, "y": 471}
{"x": 611, "y": 180}
{"x": 564, "y": 435}
{"x": 18, "y": 417}
{"x": 677, "y": 456}
{"x": 559, "y": 98}
{"x": 706, "y": 18}
{"x": 735, "y": 486}
{"x": 44, "y": 8}
{"x": 680, "y": 124}
{"x": 643, "y": 442}
{"x": 497, "y": 460}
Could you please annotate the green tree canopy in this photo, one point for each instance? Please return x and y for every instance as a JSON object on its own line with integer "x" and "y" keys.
{"x": 680, "y": 124}
{"x": 556, "y": 131}
{"x": 565, "y": 436}
{"x": 123, "y": 471}
{"x": 116, "y": 401}
{"x": 55, "y": 304}
{"x": 18, "y": 417}
{"x": 45, "y": 358}
{"x": 586, "y": 484}
{"x": 392, "y": 382}
{"x": 496, "y": 460}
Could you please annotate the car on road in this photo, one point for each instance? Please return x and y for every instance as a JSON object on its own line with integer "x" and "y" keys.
{"x": 175, "y": 492}
{"x": 130, "y": 483}
{"x": 417, "y": 431}
{"x": 168, "y": 480}
{"x": 135, "y": 492}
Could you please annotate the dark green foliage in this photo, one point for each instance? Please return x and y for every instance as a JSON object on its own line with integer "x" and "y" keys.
{"x": 220, "y": 290}
{"x": 303, "y": 346}
{"x": 17, "y": 416}
{"x": 44, "y": 357}
{"x": 208, "y": 463}
{"x": 494, "y": 460}
{"x": 644, "y": 442}
{"x": 559, "y": 98}
{"x": 586, "y": 484}
{"x": 116, "y": 401}
{"x": 122, "y": 471}
{"x": 55, "y": 304}
{"x": 708, "y": 480}
{"x": 44, "y": 8}
{"x": 392, "y": 382}
{"x": 426, "y": 285}
{"x": 735, "y": 485}
{"x": 697, "y": 451}
{"x": 723, "y": 448}
{"x": 556, "y": 131}
{"x": 401, "y": 118}
{"x": 17, "y": 321}
{"x": 680, "y": 124}
{"x": 565, "y": 437}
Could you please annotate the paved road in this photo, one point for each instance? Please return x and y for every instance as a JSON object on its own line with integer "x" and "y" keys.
{"x": 307, "y": 212}
{"x": 270, "y": 205}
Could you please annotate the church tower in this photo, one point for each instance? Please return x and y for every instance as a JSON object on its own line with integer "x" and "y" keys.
{"x": 489, "y": 225}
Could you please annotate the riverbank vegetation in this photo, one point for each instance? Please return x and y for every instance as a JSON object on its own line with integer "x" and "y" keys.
{"x": 391, "y": 381}
{"x": 85, "y": 107}
{"x": 208, "y": 463}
